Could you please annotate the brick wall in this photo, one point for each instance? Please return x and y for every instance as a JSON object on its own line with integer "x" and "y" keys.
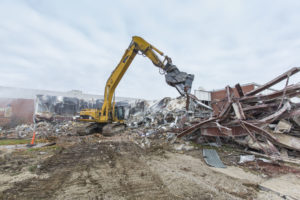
{"x": 16, "y": 111}
{"x": 219, "y": 95}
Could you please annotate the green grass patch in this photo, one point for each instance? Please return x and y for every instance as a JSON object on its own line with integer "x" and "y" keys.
{"x": 14, "y": 141}
{"x": 49, "y": 148}
{"x": 19, "y": 141}
{"x": 202, "y": 146}
{"x": 32, "y": 168}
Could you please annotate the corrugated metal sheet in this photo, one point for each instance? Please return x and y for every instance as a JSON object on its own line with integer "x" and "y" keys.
{"x": 212, "y": 158}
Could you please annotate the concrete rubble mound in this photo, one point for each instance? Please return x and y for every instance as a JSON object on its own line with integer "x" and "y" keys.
{"x": 166, "y": 114}
{"x": 43, "y": 130}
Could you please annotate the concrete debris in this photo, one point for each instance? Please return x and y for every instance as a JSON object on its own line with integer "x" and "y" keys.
{"x": 283, "y": 126}
{"x": 43, "y": 130}
{"x": 183, "y": 147}
{"x": 246, "y": 158}
{"x": 166, "y": 113}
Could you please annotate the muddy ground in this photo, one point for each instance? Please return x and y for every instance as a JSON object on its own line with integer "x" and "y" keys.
{"x": 96, "y": 167}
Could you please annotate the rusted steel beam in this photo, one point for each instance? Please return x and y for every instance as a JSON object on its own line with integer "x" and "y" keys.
{"x": 274, "y": 81}
{"x": 187, "y": 104}
{"x": 229, "y": 93}
{"x": 275, "y": 115}
{"x": 226, "y": 109}
{"x": 239, "y": 90}
{"x": 195, "y": 127}
{"x": 290, "y": 91}
{"x": 216, "y": 131}
{"x": 293, "y": 113}
{"x": 239, "y": 113}
{"x": 261, "y": 106}
{"x": 259, "y": 130}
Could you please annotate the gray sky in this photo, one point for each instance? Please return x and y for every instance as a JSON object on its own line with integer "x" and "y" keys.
{"x": 72, "y": 44}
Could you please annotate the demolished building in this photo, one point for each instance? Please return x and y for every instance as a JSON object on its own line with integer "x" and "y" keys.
{"x": 265, "y": 122}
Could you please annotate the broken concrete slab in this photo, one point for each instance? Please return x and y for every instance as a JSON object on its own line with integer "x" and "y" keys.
{"x": 283, "y": 126}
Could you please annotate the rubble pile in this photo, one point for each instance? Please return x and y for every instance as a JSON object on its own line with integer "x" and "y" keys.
{"x": 166, "y": 114}
{"x": 43, "y": 130}
{"x": 266, "y": 122}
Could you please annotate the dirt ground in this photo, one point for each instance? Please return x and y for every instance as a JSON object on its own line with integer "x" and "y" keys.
{"x": 95, "y": 167}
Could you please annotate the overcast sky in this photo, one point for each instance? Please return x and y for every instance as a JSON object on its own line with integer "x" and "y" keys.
{"x": 71, "y": 44}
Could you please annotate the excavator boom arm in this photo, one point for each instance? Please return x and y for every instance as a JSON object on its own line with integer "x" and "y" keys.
{"x": 180, "y": 80}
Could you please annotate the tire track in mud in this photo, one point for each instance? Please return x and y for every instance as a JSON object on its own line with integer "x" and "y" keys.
{"x": 110, "y": 170}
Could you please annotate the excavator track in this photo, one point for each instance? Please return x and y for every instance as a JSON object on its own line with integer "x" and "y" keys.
{"x": 112, "y": 129}
{"x": 88, "y": 128}
{"x": 104, "y": 129}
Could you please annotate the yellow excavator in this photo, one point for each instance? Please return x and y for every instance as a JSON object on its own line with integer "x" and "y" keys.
{"x": 110, "y": 118}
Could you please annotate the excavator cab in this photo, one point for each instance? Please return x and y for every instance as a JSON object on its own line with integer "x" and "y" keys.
{"x": 120, "y": 112}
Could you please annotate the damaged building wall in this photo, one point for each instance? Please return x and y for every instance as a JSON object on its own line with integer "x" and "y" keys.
{"x": 218, "y": 96}
{"x": 166, "y": 113}
{"x": 22, "y": 100}
{"x": 59, "y": 108}
{"x": 16, "y": 111}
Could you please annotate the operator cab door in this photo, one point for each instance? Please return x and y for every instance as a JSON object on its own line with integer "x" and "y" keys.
{"x": 120, "y": 112}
